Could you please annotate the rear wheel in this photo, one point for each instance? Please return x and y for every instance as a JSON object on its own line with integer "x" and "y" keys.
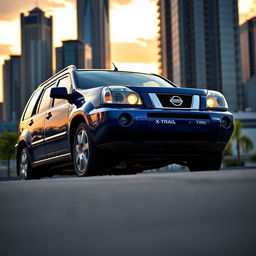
{"x": 85, "y": 156}
{"x": 208, "y": 162}
{"x": 24, "y": 168}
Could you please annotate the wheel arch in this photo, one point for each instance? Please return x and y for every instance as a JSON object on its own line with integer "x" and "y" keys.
{"x": 76, "y": 120}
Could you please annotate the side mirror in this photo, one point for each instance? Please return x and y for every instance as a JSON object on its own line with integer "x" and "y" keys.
{"x": 59, "y": 93}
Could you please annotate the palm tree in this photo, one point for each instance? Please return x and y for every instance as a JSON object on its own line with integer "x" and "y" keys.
{"x": 242, "y": 141}
{"x": 228, "y": 149}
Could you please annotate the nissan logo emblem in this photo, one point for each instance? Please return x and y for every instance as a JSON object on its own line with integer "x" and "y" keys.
{"x": 176, "y": 101}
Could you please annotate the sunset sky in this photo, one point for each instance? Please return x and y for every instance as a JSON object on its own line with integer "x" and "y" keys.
{"x": 133, "y": 29}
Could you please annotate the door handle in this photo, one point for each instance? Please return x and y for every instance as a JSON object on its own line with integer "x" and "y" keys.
{"x": 49, "y": 115}
{"x": 31, "y": 122}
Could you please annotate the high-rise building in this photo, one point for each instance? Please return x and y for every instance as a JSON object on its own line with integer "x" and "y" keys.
{"x": 248, "y": 61}
{"x": 36, "y": 48}
{"x": 248, "y": 49}
{"x": 93, "y": 30}
{"x": 70, "y": 53}
{"x": 165, "y": 39}
{"x": 199, "y": 45}
{"x": 12, "y": 89}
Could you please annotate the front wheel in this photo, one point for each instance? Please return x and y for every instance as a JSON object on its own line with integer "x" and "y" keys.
{"x": 207, "y": 162}
{"x": 84, "y": 152}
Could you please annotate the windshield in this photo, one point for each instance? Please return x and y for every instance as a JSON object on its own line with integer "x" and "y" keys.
{"x": 92, "y": 79}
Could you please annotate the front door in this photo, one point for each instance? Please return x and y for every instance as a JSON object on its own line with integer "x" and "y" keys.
{"x": 56, "y": 123}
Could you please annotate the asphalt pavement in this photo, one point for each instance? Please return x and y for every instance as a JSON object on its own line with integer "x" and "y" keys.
{"x": 202, "y": 213}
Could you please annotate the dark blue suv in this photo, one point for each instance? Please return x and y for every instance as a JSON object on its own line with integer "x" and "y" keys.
{"x": 104, "y": 121}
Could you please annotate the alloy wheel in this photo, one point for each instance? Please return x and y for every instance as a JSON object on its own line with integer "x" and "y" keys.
{"x": 81, "y": 151}
{"x": 24, "y": 165}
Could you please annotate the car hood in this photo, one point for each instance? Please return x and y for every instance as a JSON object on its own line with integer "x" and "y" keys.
{"x": 171, "y": 90}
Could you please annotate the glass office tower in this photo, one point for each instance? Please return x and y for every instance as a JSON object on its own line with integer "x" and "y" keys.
{"x": 12, "y": 89}
{"x": 248, "y": 60}
{"x": 93, "y": 30}
{"x": 36, "y": 49}
{"x": 248, "y": 49}
{"x": 70, "y": 53}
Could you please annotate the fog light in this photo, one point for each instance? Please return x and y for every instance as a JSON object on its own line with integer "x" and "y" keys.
{"x": 226, "y": 122}
{"x": 125, "y": 119}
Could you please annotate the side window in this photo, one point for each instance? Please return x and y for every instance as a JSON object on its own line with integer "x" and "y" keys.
{"x": 64, "y": 82}
{"x": 31, "y": 106}
{"x": 46, "y": 99}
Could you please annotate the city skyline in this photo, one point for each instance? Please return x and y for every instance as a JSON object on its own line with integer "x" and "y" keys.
{"x": 131, "y": 49}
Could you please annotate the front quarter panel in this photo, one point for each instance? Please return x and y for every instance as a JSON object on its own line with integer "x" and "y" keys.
{"x": 25, "y": 137}
{"x": 92, "y": 96}
{"x": 91, "y": 100}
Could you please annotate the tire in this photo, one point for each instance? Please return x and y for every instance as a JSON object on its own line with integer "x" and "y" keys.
{"x": 85, "y": 156}
{"x": 208, "y": 162}
{"x": 24, "y": 167}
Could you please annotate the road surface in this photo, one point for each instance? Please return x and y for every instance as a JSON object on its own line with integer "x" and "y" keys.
{"x": 203, "y": 213}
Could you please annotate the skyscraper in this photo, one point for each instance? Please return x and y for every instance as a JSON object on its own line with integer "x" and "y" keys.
{"x": 248, "y": 60}
{"x": 36, "y": 48}
{"x": 70, "y": 53}
{"x": 93, "y": 30}
{"x": 165, "y": 39}
{"x": 199, "y": 45}
{"x": 248, "y": 49}
{"x": 12, "y": 89}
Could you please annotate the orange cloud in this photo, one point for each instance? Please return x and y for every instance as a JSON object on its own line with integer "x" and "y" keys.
{"x": 11, "y": 9}
{"x": 139, "y": 52}
{"x": 138, "y": 19}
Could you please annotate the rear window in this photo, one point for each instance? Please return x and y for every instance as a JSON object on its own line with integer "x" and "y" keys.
{"x": 92, "y": 79}
{"x": 30, "y": 110}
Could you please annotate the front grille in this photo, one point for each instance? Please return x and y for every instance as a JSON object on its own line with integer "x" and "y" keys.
{"x": 175, "y": 100}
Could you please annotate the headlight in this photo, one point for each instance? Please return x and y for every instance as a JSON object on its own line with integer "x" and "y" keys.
{"x": 120, "y": 95}
{"x": 216, "y": 100}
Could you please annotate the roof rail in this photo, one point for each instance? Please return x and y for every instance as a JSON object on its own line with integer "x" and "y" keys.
{"x": 64, "y": 69}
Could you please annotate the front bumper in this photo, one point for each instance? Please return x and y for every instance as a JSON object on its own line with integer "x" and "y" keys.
{"x": 196, "y": 129}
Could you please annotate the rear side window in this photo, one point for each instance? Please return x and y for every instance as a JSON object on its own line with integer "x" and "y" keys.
{"x": 31, "y": 106}
{"x": 46, "y": 99}
{"x": 64, "y": 82}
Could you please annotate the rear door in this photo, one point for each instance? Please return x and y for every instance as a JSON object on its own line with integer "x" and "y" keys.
{"x": 43, "y": 106}
{"x": 56, "y": 123}
{"x": 34, "y": 123}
